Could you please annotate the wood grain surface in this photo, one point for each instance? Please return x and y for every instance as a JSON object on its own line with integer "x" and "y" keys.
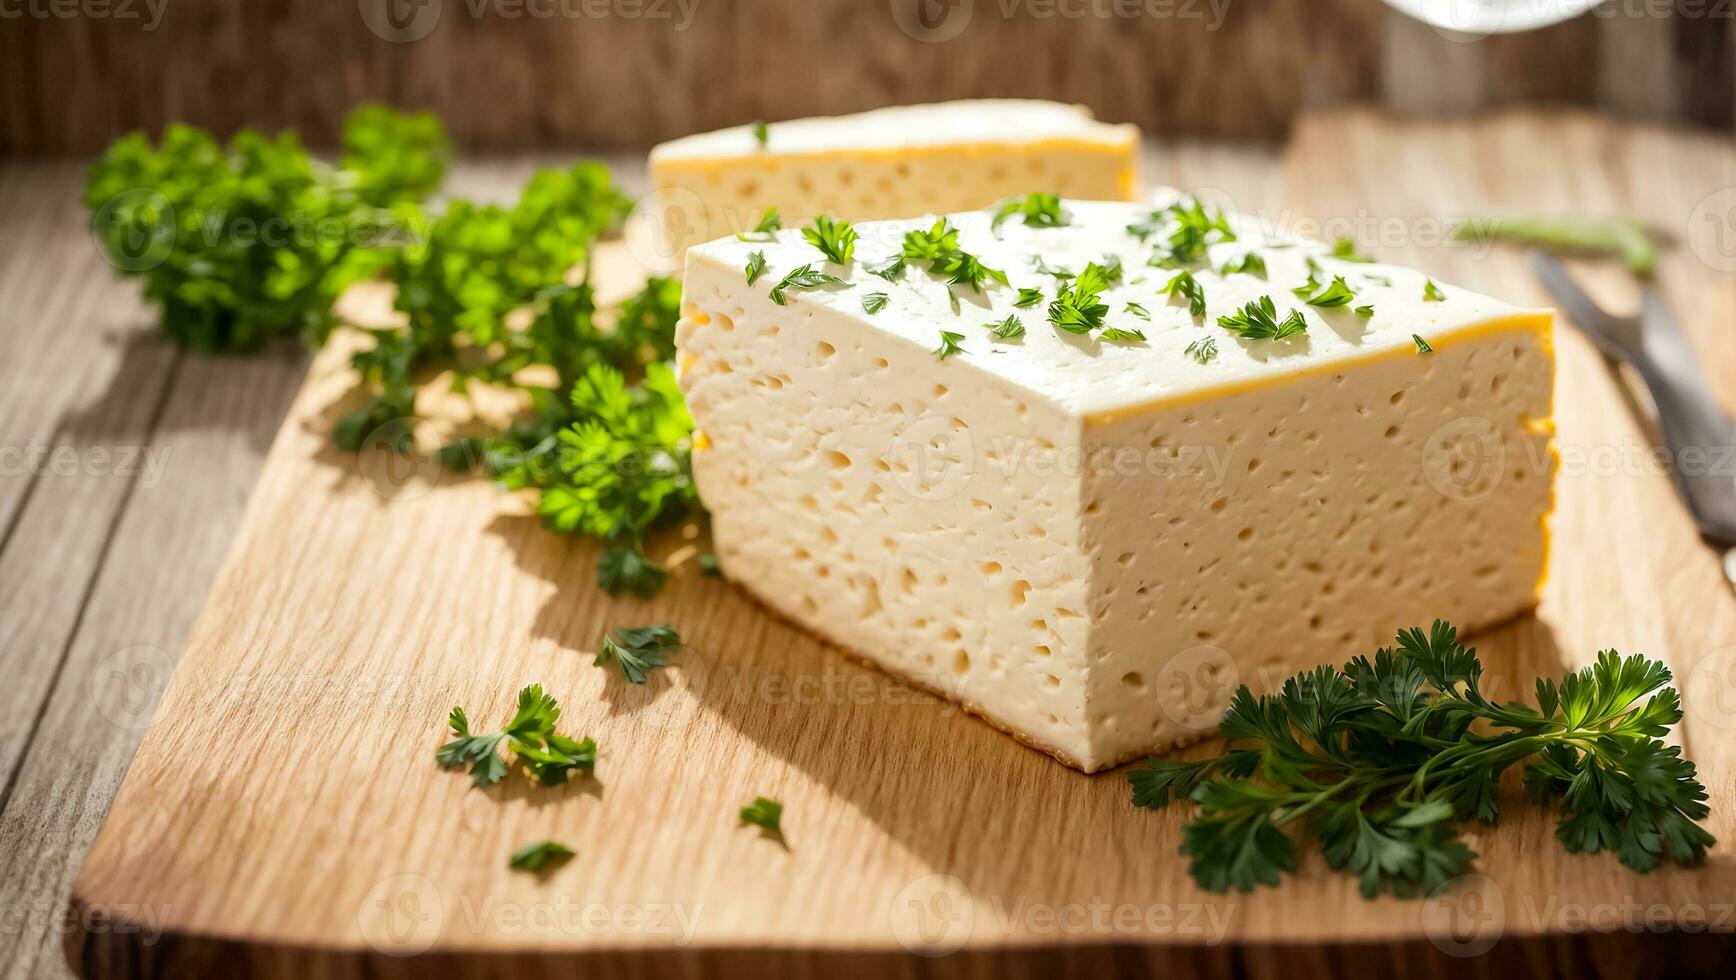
{"x": 284, "y": 816}
{"x": 628, "y": 73}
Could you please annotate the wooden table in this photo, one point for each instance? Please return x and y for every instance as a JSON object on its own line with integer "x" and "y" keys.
{"x": 130, "y": 461}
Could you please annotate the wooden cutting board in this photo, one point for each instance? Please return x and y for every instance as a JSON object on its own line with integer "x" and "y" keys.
{"x": 284, "y": 816}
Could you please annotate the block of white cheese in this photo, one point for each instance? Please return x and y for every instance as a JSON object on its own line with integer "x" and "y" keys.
{"x": 887, "y": 163}
{"x": 1090, "y": 538}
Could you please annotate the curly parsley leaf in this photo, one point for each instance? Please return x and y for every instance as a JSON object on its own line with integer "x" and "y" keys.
{"x": 540, "y": 857}
{"x": 1258, "y": 320}
{"x": 548, "y": 756}
{"x": 768, "y": 816}
{"x": 1009, "y": 329}
{"x": 950, "y": 344}
{"x": 638, "y": 651}
{"x": 835, "y": 239}
{"x": 1028, "y": 297}
{"x": 756, "y": 266}
{"x": 874, "y": 302}
{"x": 1038, "y": 211}
{"x": 1336, "y": 294}
{"x": 1185, "y": 285}
{"x": 1379, "y": 762}
{"x": 802, "y": 277}
{"x": 1078, "y": 306}
{"x": 1202, "y": 350}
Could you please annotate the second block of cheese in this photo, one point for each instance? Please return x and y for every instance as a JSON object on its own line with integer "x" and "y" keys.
{"x": 1091, "y": 539}
{"x": 887, "y": 163}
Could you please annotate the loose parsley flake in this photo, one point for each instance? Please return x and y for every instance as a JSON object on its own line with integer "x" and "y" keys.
{"x": 530, "y": 736}
{"x": 760, "y": 133}
{"x": 539, "y": 857}
{"x": 1344, "y": 250}
{"x": 1258, "y": 320}
{"x": 1365, "y": 311}
{"x": 1248, "y": 263}
{"x": 802, "y": 277}
{"x": 1077, "y": 307}
{"x": 890, "y": 270}
{"x": 1009, "y": 329}
{"x": 1028, "y": 297}
{"x": 769, "y": 225}
{"x": 1422, "y": 345}
{"x": 1184, "y": 284}
{"x": 1432, "y": 293}
{"x": 834, "y": 237}
{"x": 950, "y": 344}
{"x": 1336, "y": 294}
{"x": 768, "y": 816}
{"x": 874, "y": 302}
{"x": 1042, "y": 267}
{"x": 1196, "y": 228}
{"x": 1382, "y": 760}
{"x": 1122, "y": 334}
{"x": 1137, "y": 310}
{"x": 756, "y": 266}
{"x": 638, "y": 651}
{"x": 1037, "y": 210}
{"x": 1202, "y": 350}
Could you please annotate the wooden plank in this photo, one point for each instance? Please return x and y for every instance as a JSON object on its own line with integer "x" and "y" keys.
{"x": 166, "y": 547}
{"x": 1244, "y": 69}
{"x": 909, "y": 825}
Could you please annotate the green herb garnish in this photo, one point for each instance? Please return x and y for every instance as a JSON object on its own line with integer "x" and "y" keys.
{"x": 950, "y": 344}
{"x": 1009, "y": 329}
{"x": 1422, "y": 345}
{"x": 530, "y": 736}
{"x": 1121, "y": 334}
{"x": 1028, "y": 297}
{"x": 835, "y": 239}
{"x": 639, "y": 651}
{"x": 1432, "y": 293}
{"x": 1381, "y": 760}
{"x": 1184, "y": 284}
{"x": 756, "y": 266}
{"x": 1258, "y": 320}
{"x": 802, "y": 277}
{"x": 1202, "y": 350}
{"x": 1037, "y": 210}
{"x": 1137, "y": 310}
{"x": 1077, "y": 307}
{"x": 874, "y": 302}
{"x": 890, "y": 270}
{"x": 767, "y": 815}
{"x": 1365, "y": 311}
{"x": 760, "y": 133}
{"x": 539, "y": 857}
{"x": 1337, "y": 293}
{"x": 1248, "y": 263}
{"x": 1344, "y": 250}
{"x": 769, "y": 225}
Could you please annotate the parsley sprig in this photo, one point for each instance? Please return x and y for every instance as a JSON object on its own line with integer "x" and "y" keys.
{"x": 548, "y": 756}
{"x": 1381, "y": 759}
{"x": 1038, "y": 211}
{"x": 1258, "y": 320}
{"x": 835, "y": 239}
{"x": 1192, "y": 228}
{"x": 638, "y": 651}
{"x": 1078, "y": 306}
{"x": 938, "y": 246}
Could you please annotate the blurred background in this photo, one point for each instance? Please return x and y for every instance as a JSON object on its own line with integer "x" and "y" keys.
{"x": 624, "y": 74}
